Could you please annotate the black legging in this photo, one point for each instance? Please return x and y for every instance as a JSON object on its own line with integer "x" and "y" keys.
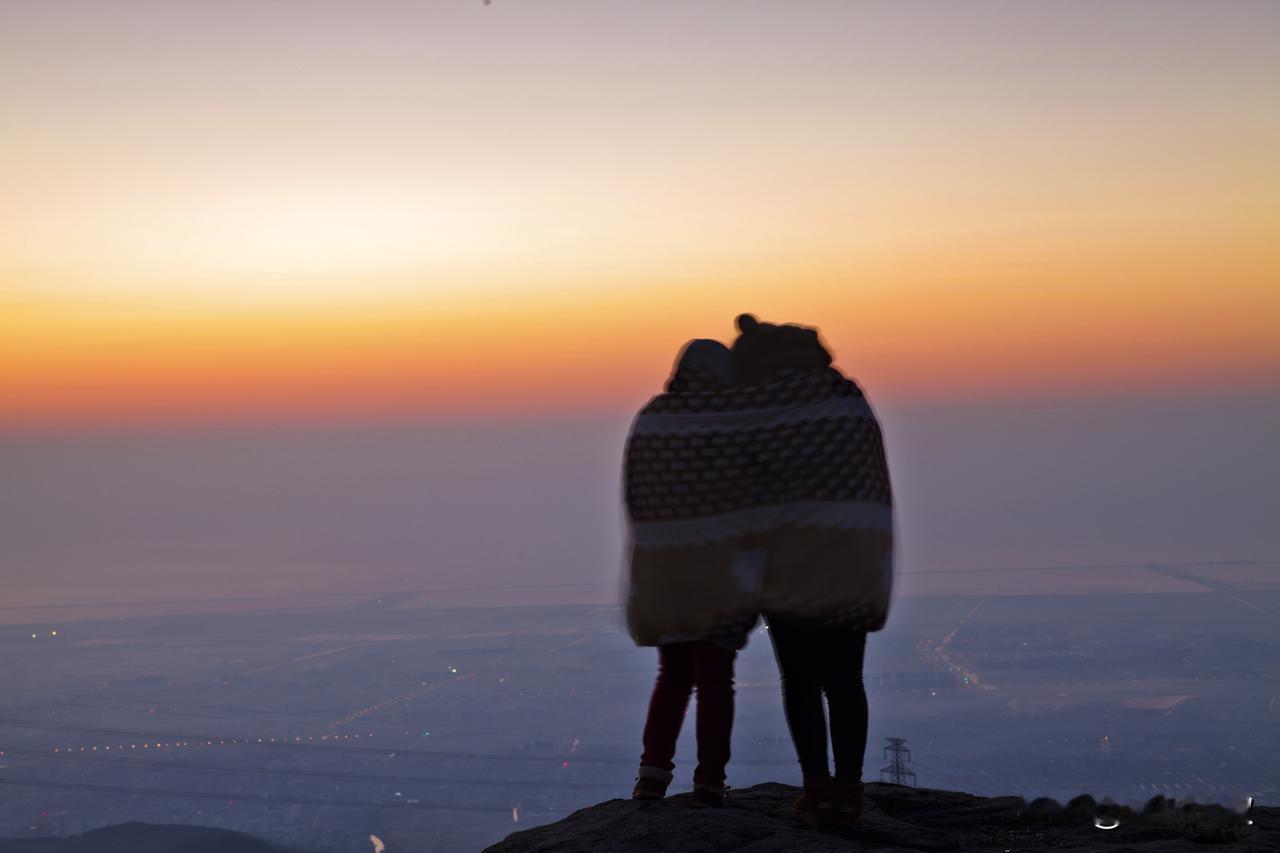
{"x": 814, "y": 659}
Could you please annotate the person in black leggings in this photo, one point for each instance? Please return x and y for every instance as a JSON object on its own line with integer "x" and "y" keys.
{"x": 816, "y": 659}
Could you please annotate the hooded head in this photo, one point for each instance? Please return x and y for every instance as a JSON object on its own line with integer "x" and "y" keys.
{"x": 702, "y": 362}
{"x": 763, "y": 349}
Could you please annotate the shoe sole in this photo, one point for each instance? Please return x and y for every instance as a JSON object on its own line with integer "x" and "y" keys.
{"x": 649, "y": 794}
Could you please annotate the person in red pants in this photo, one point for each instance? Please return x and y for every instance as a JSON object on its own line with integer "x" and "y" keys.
{"x": 706, "y": 665}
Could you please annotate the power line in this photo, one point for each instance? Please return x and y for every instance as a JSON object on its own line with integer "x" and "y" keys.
{"x": 115, "y": 761}
{"x": 170, "y": 707}
{"x": 1095, "y": 566}
{"x": 234, "y": 796}
{"x": 306, "y": 596}
{"x": 284, "y": 743}
{"x": 967, "y": 783}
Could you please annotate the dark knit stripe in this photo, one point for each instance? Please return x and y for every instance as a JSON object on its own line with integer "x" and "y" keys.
{"x": 686, "y": 475}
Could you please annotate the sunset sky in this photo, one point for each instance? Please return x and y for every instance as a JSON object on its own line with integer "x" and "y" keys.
{"x": 243, "y": 210}
{"x": 320, "y": 296}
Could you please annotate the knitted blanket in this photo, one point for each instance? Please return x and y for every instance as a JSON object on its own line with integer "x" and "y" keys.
{"x": 743, "y": 499}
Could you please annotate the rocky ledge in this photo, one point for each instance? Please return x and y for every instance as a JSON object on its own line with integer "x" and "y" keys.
{"x": 759, "y": 820}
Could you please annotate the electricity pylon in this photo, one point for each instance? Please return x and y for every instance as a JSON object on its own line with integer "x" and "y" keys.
{"x": 897, "y": 769}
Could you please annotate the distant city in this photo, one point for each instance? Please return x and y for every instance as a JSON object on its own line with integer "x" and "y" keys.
{"x": 446, "y": 728}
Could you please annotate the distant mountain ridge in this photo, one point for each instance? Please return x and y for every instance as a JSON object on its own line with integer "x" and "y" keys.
{"x": 759, "y": 820}
{"x": 147, "y": 838}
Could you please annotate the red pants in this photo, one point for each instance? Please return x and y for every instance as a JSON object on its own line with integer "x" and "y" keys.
{"x": 681, "y": 667}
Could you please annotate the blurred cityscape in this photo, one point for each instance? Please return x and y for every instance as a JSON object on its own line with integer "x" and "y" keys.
{"x": 436, "y": 728}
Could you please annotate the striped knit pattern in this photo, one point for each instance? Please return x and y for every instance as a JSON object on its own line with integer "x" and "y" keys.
{"x": 743, "y": 499}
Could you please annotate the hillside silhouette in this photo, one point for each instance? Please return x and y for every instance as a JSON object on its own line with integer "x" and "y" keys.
{"x": 147, "y": 838}
{"x": 759, "y": 819}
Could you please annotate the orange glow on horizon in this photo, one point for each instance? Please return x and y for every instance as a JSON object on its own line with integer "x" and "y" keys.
{"x": 906, "y": 342}
{"x": 502, "y": 210}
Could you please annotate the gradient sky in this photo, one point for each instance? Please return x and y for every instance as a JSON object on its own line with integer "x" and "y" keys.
{"x": 247, "y": 210}
{"x": 1044, "y": 236}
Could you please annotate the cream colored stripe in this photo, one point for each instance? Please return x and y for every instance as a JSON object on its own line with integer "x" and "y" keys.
{"x": 682, "y": 532}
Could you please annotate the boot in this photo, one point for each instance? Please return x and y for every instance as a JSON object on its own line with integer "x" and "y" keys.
{"x": 709, "y": 797}
{"x": 848, "y": 802}
{"x": 651, "y": 783}
{"x": 818, "y": 799}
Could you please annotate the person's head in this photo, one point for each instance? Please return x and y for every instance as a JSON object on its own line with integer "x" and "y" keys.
{"x": 763, "y": 349}
{"x": 703, "y": 361}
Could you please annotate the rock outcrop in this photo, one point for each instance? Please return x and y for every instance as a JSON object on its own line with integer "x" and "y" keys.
{"x": 759, "y": 820}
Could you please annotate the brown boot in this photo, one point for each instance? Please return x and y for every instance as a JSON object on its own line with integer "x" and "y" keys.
{"x": 818, "y": 799}
{"x": 848, "y": 802}
{"x": 651, "y": 783}
{"x": 709, "y": 797}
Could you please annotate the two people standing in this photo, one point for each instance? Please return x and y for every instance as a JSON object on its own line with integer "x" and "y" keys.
{"x": 756, "y": 485}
